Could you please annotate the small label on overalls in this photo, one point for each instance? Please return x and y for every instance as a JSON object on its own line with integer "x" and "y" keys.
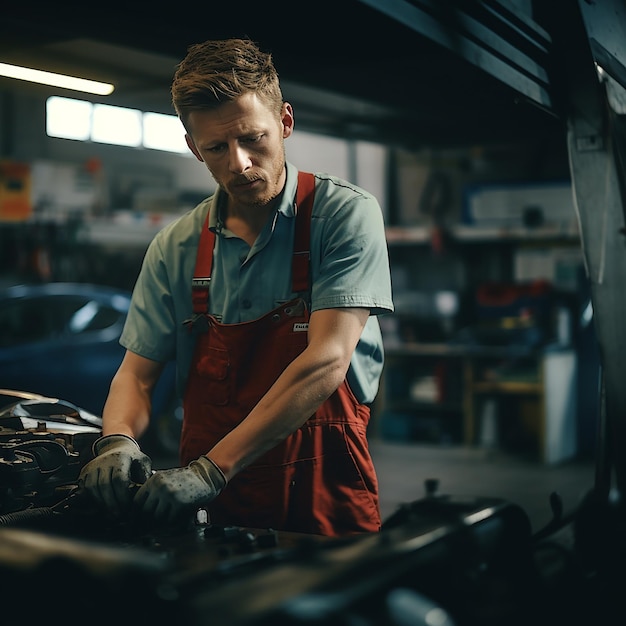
{"x": 201, "y": 282}
{"x": 298, "y": 328}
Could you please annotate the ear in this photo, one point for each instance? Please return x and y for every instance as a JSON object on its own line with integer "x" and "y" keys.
{"x": 287, "y": 119}
{"x": 192, "y": 146}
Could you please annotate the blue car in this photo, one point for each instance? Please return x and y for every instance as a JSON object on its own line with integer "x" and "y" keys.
{"x": 62, "y": 340}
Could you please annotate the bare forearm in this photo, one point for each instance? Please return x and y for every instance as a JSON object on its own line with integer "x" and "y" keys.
{"x": 293, "y": 398}
{"x": 128, "y": 406}
{"x": 127, "y": 409}
{"x": 299, "y": 391}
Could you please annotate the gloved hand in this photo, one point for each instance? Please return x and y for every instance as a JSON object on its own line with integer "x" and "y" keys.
{"x": 169, "y": 496}
{"x": 119, "y": 464}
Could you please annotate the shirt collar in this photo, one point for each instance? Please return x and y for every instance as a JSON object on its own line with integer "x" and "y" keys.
{"x": 288, "y": 200}
{"x": 214, "y": 203}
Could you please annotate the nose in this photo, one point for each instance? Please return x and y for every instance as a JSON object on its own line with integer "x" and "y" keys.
{"x": 239, "y": 160}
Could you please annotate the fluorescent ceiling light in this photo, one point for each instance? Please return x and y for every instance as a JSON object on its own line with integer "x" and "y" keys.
{"x": 56, "y": 80}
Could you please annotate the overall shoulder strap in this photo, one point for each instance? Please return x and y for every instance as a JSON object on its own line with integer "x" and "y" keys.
{"x": 202, "y": 272}
{"x": 300, "y": 279}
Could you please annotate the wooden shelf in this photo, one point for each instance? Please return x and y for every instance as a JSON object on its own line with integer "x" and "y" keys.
{"x": 509, "y": 386}
{"x": 398, "y": 235}
{"x": 408, "y": 349}
{"x": 408, "y": 406}
{"x": 551, "y": 386}
{"x": 546, "y": 380}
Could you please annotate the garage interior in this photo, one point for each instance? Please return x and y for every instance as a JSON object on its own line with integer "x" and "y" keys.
{"x": 496, "y": 147}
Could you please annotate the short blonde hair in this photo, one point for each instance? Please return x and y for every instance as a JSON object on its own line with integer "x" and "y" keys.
{"x": 220, "y": 71}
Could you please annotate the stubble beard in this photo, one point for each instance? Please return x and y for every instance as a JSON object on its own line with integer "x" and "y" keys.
{"x": 273, "y": 190}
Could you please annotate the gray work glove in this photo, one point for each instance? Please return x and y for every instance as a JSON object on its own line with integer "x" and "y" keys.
{"x": 170, "y": 496}
{"x": 110, "y": 479}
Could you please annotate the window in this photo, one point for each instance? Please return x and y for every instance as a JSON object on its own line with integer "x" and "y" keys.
{"x": 70, "y": 119}
{"x": 85, "y": 121}
{"x": 116, "y": 125}
{"x": 164, "y": 132}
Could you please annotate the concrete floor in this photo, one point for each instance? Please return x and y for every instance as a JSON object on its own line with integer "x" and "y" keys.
{"x": 473, "y": 472}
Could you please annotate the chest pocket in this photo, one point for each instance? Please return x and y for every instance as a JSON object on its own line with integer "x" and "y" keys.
{"x": 213, "y": 371}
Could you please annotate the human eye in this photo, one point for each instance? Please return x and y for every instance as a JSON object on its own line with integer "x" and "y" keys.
{"x": 254, "y": 138}
{"x": 217, "y": 149}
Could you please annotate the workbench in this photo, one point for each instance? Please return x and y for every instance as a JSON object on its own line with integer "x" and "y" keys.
{"x": 472, "y": 390}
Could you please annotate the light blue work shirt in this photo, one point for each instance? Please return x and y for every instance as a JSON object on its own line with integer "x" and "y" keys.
{"x": 349, "y": 268}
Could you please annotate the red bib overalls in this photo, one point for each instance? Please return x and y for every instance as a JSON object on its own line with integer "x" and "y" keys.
{"x": 321, "y": 479}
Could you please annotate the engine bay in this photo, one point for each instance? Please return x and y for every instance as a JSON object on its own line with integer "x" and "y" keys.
{"x": 438, "y": 560}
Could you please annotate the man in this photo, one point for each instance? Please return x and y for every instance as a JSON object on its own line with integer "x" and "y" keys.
{"x": 266, "y": 294}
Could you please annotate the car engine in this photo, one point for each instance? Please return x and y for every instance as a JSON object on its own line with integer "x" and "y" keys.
{"x": 438, "y": 561}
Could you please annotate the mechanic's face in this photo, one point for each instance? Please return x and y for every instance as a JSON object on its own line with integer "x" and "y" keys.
{"x": 242, "y": 145}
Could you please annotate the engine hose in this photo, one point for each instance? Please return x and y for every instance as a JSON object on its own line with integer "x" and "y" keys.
{"x": 27, "y": 515}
